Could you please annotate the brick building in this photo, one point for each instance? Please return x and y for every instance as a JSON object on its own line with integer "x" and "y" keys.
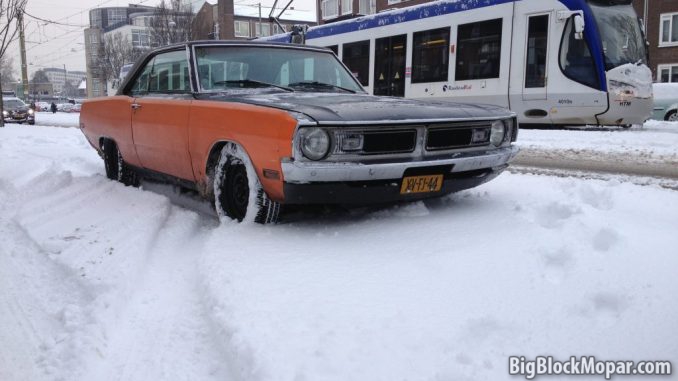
{"x": 661, "y": 23}
{"x": 224, "y": 20}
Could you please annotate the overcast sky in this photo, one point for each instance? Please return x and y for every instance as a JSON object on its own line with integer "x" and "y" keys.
{"x": 51, "y": 45}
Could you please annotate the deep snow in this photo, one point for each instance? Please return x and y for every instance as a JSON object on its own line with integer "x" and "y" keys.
{"x": 105, "y": 282}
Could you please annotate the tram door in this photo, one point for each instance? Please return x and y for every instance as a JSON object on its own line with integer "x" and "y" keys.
{"x": 536, "y": 57}
{"x": 389, "y": 66}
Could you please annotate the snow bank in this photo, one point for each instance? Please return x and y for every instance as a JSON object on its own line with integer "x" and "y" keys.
{"x": 106, "y": 282}
{"x": 60, "y": 119}
{"x": 656, "y": 141}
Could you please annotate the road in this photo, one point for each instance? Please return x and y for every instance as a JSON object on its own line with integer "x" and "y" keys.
{"x": 596, "y": 162}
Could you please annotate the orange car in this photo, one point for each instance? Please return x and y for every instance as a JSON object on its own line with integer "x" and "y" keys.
{"x": 253, "y": 126}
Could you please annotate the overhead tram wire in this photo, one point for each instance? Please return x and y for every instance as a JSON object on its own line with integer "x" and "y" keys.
{"x": 52, "y": 22}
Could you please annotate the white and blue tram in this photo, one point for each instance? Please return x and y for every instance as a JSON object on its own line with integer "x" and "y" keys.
{"x": 553, "y": 62}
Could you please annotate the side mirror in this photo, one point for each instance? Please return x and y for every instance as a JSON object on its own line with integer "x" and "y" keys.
{"x": 579, "y": 25}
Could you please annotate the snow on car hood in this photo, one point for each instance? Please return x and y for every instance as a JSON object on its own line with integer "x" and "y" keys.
{"x": 333, "y": 107}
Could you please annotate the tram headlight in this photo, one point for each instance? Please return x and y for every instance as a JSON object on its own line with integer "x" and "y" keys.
{"x": 497, "y": 133}
{"x": 622, "y": 88}
{"x": 315, "y": 143}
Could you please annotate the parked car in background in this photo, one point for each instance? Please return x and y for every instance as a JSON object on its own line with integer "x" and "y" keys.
{"x": 665, "y": 101}
{"x": 16, "y": 111}
{"x": 42, "y": 106}
{"x": 76, "y": 107}
{"x": 253, "y": 126}
{"x": 64, "y": 107}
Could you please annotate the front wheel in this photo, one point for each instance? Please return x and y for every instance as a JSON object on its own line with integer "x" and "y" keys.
{"x": 238, "y": 194}
{"x": 672, "y": 116}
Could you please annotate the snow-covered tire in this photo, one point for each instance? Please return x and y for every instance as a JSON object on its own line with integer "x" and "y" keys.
{"x": 116, "y": 168}
{"x": 672, "y": 116}
{"x": 238, "y": 194}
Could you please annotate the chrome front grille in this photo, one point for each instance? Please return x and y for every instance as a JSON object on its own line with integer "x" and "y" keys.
{"x": 377, "y": 142}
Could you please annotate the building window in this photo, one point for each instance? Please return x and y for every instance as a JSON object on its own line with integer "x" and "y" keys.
{"x": 479, "y": 50}
{"x": 93, "y": 38}
{"x": 265, "y": 29}
{"x": 277, "y": 29}
{"x": 357, "y": 58}
{"x": 668, "y": 73}
{"x": 329, "y": 9}
{"x": 141, "y": 38}
{"x": 668, "y": 29}
{"x": 368, "y": 7}
{"x": 391, "y": 2}
{"x": 242, "y": 28}
{"x": 95, "y": 18}
{"x": 346, "y": 7}
{"x": 430, "y": 57}
{"x": 117, "y": 16}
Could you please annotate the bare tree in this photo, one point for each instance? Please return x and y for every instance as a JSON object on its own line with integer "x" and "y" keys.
{"x": 172, "y": 22}
{"x": 9, "y": 10}
{"x": 7, "y": 70}
{"x": 116, "y": 51}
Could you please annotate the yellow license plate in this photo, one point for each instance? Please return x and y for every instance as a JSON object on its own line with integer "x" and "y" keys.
{"x": 421, "y": 184}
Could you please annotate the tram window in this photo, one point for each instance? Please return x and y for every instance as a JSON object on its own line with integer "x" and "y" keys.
{"x": 576, "y": 60}
{"x": 537, "y": 44}
{"x": 334, "y": 48}
{"x": 479, "y": 50}
{"x": 430, "y": 57}
{"x": 357, "y": 58}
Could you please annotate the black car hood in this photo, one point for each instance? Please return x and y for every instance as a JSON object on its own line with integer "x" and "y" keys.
{"x": 336, "y": 107}
{"x": 17, "y": 109}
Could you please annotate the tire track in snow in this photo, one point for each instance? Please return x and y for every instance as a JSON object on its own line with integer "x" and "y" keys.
{"x": 163, "y": 332}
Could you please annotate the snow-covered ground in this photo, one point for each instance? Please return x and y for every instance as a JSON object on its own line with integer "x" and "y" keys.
{"x": 655, "y": 142}
{"x": 104, "y": 282}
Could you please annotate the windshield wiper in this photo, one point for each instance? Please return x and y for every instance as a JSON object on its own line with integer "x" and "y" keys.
{"x": 317, "y": 84}
{"x": 251, "y": 83}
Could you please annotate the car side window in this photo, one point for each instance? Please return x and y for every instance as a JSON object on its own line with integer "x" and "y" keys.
{"x": 170, "y": 73}
{"x": 140, "y": 86}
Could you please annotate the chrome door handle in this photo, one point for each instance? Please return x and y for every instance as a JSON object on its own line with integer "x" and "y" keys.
{"x": 136, "y": 106}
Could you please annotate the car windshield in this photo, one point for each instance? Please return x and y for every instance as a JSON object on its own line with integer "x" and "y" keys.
{"x": 620, "y": 32}
{"x": 222, "y": 68}
{"x": 13, "y": 103}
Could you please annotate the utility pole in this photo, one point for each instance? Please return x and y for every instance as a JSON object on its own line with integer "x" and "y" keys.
{"x": 22, "y": 47}
{"x": 260, "y": 26}
{"x": 63, "y": 91}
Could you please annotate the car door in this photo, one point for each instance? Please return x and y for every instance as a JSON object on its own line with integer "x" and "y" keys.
{"x": 160, "y": 116}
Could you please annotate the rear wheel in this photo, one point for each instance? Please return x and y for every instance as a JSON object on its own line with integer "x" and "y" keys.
{"x": 116, "y": 168}
{"x": 238, "y": 194}
{"x": 672, "y": 116}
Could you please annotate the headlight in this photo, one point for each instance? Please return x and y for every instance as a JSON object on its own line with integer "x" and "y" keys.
{"x": 622, "y": 88}
{"x": 498, "y": 133}
{"x": 315, "y": 143}
{"x": 5, "y": 113}
{"x": 30, "y": 111}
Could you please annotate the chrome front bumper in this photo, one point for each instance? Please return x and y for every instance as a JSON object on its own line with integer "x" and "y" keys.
{"x": 296, "y": 172}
